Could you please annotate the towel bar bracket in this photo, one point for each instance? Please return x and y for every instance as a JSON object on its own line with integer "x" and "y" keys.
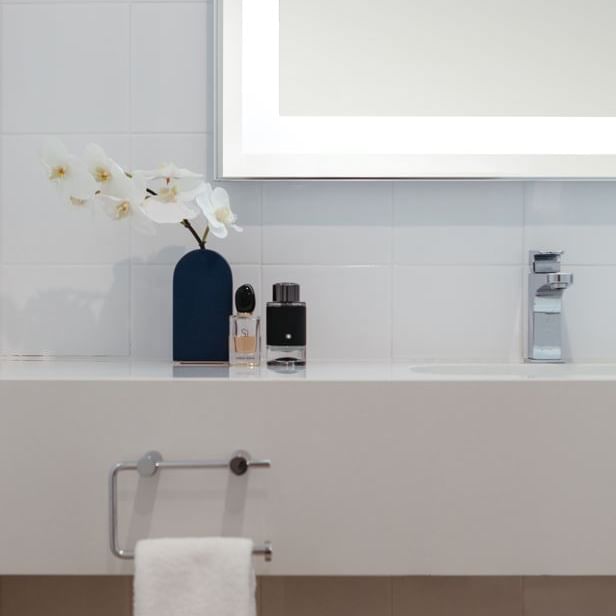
{"x": 150, "y": 463}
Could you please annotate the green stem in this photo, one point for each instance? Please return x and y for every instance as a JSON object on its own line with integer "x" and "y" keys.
{"x": 205, "y": 234}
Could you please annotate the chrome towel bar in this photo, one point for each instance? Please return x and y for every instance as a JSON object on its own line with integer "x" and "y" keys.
{"x": 150, "y": 463}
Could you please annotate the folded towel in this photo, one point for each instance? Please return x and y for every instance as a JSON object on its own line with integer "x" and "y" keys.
{"x": 194, "y": 577}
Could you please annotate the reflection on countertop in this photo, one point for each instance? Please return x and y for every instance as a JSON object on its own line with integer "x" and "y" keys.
{"x": 96, "y": 369}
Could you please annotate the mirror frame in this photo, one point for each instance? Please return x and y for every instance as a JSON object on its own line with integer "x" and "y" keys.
{"x": 253, "y": 142}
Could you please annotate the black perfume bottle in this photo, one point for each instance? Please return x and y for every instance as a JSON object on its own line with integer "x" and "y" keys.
{"x": 286, "y": 327}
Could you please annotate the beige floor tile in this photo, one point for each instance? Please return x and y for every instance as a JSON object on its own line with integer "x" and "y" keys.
{"x": 570, "y": 596}
{"x": 65, "y": 596}
{"x": 457, "y": 596}
{"x": 258, "y": 597}
{"x": 325, "y": 596}
{"x": 129, "y": 590}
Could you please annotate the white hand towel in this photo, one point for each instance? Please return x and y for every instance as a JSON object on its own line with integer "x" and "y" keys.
{"x": 194, "y": 577}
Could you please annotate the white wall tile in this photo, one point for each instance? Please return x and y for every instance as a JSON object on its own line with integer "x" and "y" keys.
{"x": 65, "y": 68}
{"x": 589, "y": 307}
{"x": 88, "y": 1}
{"x": 2, "y": 310}
{"x": 458, "y": 223}
{"x": 152, "y": 312}
{"x": 185, "y": 150}
{"x": 457, "y": 313}
{"x": 347, "y": 223}
{"x": 66, "y": 283}
{"x": 2, "y": 328}
{"x": 65, "y": 310}
{"x": 170, "y": 67}
{"x": 349, "y": 309}
{"x": 38, "y": 226}
{"x": 577, "y": 217}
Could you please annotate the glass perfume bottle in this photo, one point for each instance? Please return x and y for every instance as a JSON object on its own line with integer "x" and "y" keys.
{"x": 245, "y": 330}
{"x": 286, "y": 327}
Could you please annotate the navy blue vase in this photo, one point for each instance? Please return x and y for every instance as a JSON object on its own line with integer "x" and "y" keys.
{"x": 202, "y": 304}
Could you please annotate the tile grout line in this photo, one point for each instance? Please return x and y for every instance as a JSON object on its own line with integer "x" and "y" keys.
{"x": 391, "y": 270}
{"x": 129, "y": 597}
{"x": 2, "y": 127}
{"x": 523, "y": 287}
{"x": 2, "y": 140}
{"x": 131, "y": 277}
{"x": 96, "y": 2}
{"x": 525, "y": 189}
{"x": 261, "y": 253}
{"x": 341, "y": 266}
{"x": 112, "y": 133}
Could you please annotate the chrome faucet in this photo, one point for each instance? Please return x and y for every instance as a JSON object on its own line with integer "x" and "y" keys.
{"x": 546, "y": 284}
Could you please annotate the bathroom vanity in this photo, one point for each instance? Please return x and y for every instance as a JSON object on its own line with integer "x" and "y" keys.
{"x": 379, "y": 469}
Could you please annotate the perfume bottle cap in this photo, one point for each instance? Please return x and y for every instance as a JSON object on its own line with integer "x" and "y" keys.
{"x": 245, "y": 298}
{"x": 286, "y": 292}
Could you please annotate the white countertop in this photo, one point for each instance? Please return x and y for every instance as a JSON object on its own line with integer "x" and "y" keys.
{"x": 38, "y": 369}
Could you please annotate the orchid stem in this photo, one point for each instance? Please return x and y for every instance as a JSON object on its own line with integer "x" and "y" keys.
{"x": 205, "y": 234}
{"x": 187, "y": 224}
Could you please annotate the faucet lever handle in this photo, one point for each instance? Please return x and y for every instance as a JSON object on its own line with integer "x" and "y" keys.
{"x": 545, "y": 261}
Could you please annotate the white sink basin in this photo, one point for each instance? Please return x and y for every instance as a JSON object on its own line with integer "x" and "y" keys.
{"x": 517, "y": 371}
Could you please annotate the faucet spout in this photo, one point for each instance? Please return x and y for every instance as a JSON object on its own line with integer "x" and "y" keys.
{"x": 555, "y": 283}
{"x": 546, "y": 285}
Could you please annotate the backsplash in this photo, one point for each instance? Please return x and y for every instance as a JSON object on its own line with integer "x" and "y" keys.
{"x": 404, "y": 270}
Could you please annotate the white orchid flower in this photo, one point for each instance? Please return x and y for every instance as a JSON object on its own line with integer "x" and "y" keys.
{"x": 120, "y": 209}
{"x": 216, "y": 208}
{"x": 70, "y": 174}
{"x": 171, "y": 194}
{"x": 169, "y": 171}
{"x": 129, "y": 204}
{"x": 110, "y": 176}
{"x": 173, "y": 204}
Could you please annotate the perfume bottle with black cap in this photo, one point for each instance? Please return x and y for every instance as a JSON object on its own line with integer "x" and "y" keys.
{"x": 245, "y": 330}
{"x": 286, "y": 327}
